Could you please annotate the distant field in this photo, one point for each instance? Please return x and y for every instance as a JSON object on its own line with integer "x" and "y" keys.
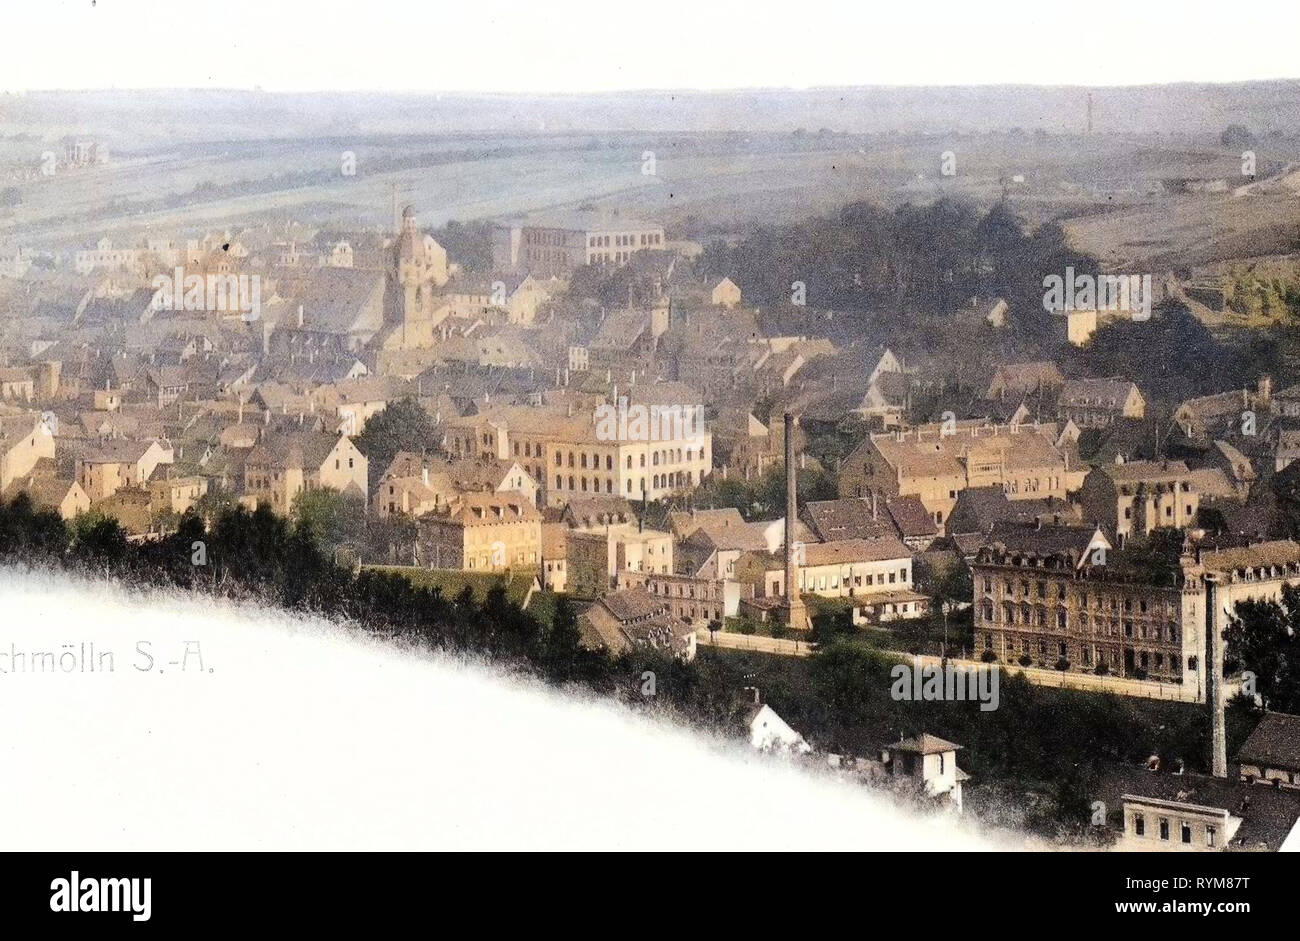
{"x": 1190, "y": 230}
{"x": 163, "y": 177}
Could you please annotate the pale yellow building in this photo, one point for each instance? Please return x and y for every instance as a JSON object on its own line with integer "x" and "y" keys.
{"x": 622, "y": 556}
{"x": 119, "y": 463}
{"x": 176, "y": 494}
{"x": 936, "y": 462}
{"x": 282, "y": 466}
{"x": 570, "y": 454}
{"x": 483, "y": 532}
{"x": 24, "y": 440}
{"x": 1131, "y": 499}
{"x": 725, "y": 294}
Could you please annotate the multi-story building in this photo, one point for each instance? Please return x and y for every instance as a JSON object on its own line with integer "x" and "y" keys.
{"x": 1131, "y": 499}
{"x": 483, "y": 532}
{"x": 24, "y": 440}
{"x": 556, "y": 246}
{"x": 936, "y": 462}
{"x": 175, "y": 494}
{"x": 874, "y": 571}
{"x": 105, "y": 257}
{"x": 1061, "y": 597}
{"x": 281, "y": 466}
{"x": 598, "y": 561}
{"x": 696, "y": 600}
{"x": 118, "y": 463}
{"x": 572, "y": 454}
{"x": 1096, "y": 403}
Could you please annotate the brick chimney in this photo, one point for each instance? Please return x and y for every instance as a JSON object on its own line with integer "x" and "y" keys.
{"x": 795, "y": 613}
{"x": 1214, "y": 678}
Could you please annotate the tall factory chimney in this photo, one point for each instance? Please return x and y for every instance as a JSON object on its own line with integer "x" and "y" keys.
{"x": 1214, "y": 678}
{"x": 795, "y": 614}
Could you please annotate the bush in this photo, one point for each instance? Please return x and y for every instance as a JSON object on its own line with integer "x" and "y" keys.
{"x": 1101, "y": 669}
{"x": 1139, "y": 674}
{"x": 988, "y": 656}
{"x": 1062, "y": 664}
{"x": 1025, "y": 660}
{"x": 747, "y": 627}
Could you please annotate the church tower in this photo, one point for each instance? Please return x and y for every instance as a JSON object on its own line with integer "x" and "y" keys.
{"x": 419, "y": 269}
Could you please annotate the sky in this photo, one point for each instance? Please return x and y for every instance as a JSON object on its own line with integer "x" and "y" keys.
{"x": 236, "y": 728}
{"x": 597, "y": 46}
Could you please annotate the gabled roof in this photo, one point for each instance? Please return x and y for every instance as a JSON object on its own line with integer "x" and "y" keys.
{"x": 849, "y": 518}
{"x": 119, "y": 451}
{"x": 484, "y": 508}
{"x": 1275, "y": 743}
{"x": 333, "y": 298}
{"x": 307, "y": 450}
{"x": 1096, "y": 393}
{"x": 686, "y": 522}
{"x": 924, "y": 744}
{"x": 910, "y": 516}
{"x": 620, "y": 330}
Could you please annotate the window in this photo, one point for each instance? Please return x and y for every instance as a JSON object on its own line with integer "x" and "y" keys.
{"x": 1164, "y": 828}
{"x": 1186, "y": 832}
{"x": 1139, "y": 825}
{"x": 1210, "y": 835}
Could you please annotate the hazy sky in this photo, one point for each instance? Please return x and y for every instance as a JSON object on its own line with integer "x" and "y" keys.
{"x": 584, "y": 45}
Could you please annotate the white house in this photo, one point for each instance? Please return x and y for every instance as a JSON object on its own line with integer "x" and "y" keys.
{"x": 932, "y": 763}
{"x": 769, "y": 732}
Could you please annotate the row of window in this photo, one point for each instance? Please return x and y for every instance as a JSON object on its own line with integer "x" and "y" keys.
{"x": 1038, "y": 616}
{"x": 658, "y": 481}
{"x": 622, "y": 241}
{"x": 484, "y": 560}
{"x": 1023, "y": 589}
{"x": 1211, "y": 832}
{"x": 1147, "y": 660}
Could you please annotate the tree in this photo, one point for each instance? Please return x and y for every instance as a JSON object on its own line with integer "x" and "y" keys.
{"x": 100, "y": 541}
{"x": 561, "y": 648}
{"x": 403, "y": 425}
{"x": 331, "y": 519}
{"x": 1236, "y": 135}
{"x": 1263, "y": 637}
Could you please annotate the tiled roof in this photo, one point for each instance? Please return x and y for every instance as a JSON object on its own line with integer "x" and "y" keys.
{"x": 924, "y": 744}
{"x": 1275, "y": 743}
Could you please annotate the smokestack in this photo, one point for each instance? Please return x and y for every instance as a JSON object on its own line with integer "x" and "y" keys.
{"x": 1214, "y": 679}
{"x": 794, "y": 608}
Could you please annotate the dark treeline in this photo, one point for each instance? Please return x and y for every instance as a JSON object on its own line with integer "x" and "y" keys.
{"x": 914, "y": 259}
{"x": 260, "y": 556}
